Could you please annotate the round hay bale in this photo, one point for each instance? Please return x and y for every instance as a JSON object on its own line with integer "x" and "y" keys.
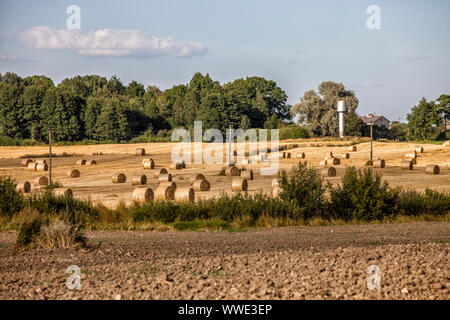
{"x": 239, "y": 184}
{"x": 288, "y": 155}
{"x": 235, "y": 153}
{"x": 352, "y": 148}
{"x": 276, "y": 192}
{"x": 119, "y": 178}
{"x": 169, "y": 183}
{"x": 24, "y": 187}
{"x": 159, "y": 172}
{"x": 411, "y": 155}
{"x": 143, "y": 195}
{"x": 183, "y": 164}
{"x": 25, "y": 162}
{"x": 328, "y": 172}
{"x": 41, "y": 181}
{"x": 432, "y": 169}
{"x": 32, "y": 166}
{"x": 73, "y": 173}
{"x": 201, "y": 185}
{"x": 41, "y": 167}
{"x": 275, "y": 183}
{"x": 407, "y": 164}
{"x": 138, "y": 179}
{"x": 91, "y": 162}
{"x": 379, "y": 163}
{"x": 196, "y": 177}
{"x": 419, "y": 150}
{"x": 247, "y": 174}
{"x": 148, "y": 164}
{"x": 63, "y": 192}
{"x": 232, "y": 171}
{"x": 176, "y": 166}
{"x": 81, "y": 162}
{"x": 283, "y": 155}
{"x": 41, "y": 161}
{"x": 140, "y": 151}
{"x": 186, "y": 194}
{"x": 334, "y": 161}
{"x": 300, "y": 155}
{"x": 165, "y": 177}
{"x": 164, "y": 193}
{"x": 345, "y": 155}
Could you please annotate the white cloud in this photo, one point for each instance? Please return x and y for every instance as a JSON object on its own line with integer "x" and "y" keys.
{"x": 412, "y": 58}
{"x": 108, "y": 42}
{"x": 4, "y": 57}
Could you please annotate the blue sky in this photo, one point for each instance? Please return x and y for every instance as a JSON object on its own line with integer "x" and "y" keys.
{"x": 297, "y": 43}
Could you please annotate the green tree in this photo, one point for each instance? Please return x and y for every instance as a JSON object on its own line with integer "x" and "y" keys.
{"x": 355, "y": 126}
{"x": 135, "y": 89}
{"x": 444, "y": 108}
{"x": 318, "y": 110}
{"x": 423, "y": 121}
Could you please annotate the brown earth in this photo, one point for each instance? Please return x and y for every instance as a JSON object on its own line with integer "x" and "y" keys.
{"x": 280, "y": 263}
{"x": 95, "y": 181}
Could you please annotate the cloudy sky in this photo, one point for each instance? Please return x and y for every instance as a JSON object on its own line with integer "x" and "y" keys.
{"x": 296, "y": 43}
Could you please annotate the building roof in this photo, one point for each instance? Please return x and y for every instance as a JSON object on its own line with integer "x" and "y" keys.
{"x": 368, "y": 119}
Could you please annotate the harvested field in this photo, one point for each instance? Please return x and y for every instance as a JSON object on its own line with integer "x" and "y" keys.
{"x": 281, "y": 263}
{"x": 95, "y": 181}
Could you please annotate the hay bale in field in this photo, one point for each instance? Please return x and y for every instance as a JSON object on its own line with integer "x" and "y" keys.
{"x": 235, "y": 153}
{"x": 63, "y": 192}
{"x": 25, "y": 162}
{"x": 419, "y": 150}
{"x": 24, "y": 187}
{"x": 414, "y": 161}
{"x": 169, "y": 183}
{"x": 139, "y": 179}
{"x": 41, "y": 167}
{"x": 352, "y": 148}
{"x": 140, "y": 152}
{"x": 232, "y": 171}
{"x": 239, "y": 184}
{"x": 196, "y": 177}
{"x": 332, "y": 161}
{"x": 41, "y": 181}
{"x": 143, "y": 195}
{"x": 345, "y": 155}
{"x": 407, "y": 164}
{"x": 288, "y": 155}
{"x": 201, "y": 185}
{"x": 32, "y": 166}
{"x": 164, "y": 193}
{"x": 432, "y": 169}
{"x": 91, "y": 162}
{"x": 275, "y": 183}
{"x": 300, "y": 155}
{"x": 165, "y": 177}
{"x": 328, "y": 172}
{"x": 41, "y": 161}
{"x": 119, "y": 178}
{"x": 379, "y": 163}
{"x": 148, "y": 164}
{"x": 276, "y": 192}
{"x": 159, "y": 172}
{"x": 247, "y": 174}
{"x": 176, "y": 166}
{"x": 323, "y": 162}
{"x": 81, "y": 162}
{"x": 411, "y": 155}
{"x": 73, "y": 173}
{"x": 183, "y": 164}
{"x": 186, "y": 194}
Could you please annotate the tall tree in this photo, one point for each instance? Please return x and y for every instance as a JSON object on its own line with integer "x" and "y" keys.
{"x": 423, "y": 120}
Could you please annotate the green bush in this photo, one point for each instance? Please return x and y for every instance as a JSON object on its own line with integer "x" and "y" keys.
{"x": 363, "y": 196}
{"x": 293, "y": 132}
{"x": 30, "y": 222}
{"x": 11, "y": 200}
{"x": 414, "y": 203}
{"x": 304, "y": 187}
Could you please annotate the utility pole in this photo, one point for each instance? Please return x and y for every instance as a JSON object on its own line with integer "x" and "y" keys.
{"x": 50, "y": 155}
{"x": 230, "y": 156}
{"x": 371, "y": 138}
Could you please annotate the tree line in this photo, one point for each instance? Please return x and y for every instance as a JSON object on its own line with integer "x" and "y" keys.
{"x": 95, "y": 108}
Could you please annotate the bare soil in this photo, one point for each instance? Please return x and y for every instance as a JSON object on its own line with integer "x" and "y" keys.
{"x": 280, "y": 263}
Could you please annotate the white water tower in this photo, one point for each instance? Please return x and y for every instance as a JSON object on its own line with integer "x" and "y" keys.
{"x": 341, "y": 109}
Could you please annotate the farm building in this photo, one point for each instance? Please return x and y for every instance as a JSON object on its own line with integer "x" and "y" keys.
{"x": 379, "y": 121}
